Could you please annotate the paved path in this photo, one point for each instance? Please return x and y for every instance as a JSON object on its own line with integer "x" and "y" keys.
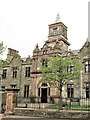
{"x": 2, "y": 117}
{"x": 26, "y": 118}
{"x": 10, "y": 117}
{"x": 33, "y": 119}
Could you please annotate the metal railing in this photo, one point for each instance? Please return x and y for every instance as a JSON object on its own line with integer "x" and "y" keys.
{"x": 53, "y": 103}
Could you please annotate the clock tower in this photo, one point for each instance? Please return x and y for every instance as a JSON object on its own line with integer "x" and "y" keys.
{"x": 58, "y": 32}
{"x": 57, "y": 29}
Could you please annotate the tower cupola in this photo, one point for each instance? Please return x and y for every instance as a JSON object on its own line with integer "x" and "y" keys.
{"x": 57, "y": 28}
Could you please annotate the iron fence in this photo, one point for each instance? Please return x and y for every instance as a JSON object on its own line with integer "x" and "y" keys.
{"x": 53, "y": 103}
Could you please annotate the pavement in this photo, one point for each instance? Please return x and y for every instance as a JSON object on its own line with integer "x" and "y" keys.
{"x": 14, "y": 117}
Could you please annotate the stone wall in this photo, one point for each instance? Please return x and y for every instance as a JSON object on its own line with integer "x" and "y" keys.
{"x": 52, "y": 113}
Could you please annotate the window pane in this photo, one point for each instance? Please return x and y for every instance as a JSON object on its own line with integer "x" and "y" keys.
{"x": 70, "y": 90}
{"x": 4, "y": 73}
{"x": 86, "y": 62}
{"x": 72, "y": 94}
{"x": 89, "y": 62}
{"x": 26, "y": 91}
{"x": 14, "y": 72}
{"x": 49, "y": 91}
{"x": 68, "y": 94}
{"x": 39, "y": 92}
{"x": 27, "y": 72}
{"x": 55, "y": 31}
{"x": 88, "y": 68}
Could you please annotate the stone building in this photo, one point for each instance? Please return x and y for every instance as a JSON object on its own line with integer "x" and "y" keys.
{"x": 23, "y": 73}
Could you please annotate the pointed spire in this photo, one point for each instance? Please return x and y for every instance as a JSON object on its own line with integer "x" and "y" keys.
{"x": 57, "y": 18}
{"x": 37, "y": 46}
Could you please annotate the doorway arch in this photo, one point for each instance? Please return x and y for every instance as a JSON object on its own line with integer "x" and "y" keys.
{"x": 44, "y": 92}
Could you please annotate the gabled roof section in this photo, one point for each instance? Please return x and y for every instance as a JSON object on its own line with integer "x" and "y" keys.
{"x": 86, "y": 44}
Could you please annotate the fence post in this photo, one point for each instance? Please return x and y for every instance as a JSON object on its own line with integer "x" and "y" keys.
{"x": 10, "y": 99}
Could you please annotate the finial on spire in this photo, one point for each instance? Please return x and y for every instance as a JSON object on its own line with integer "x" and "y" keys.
{"x": 57, "y": 18}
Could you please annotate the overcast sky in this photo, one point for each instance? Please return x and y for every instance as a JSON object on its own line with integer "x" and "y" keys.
{"x": 24, "y": 23}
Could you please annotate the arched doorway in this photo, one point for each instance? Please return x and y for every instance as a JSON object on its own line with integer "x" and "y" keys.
{"x": 44, "y": 92}
{"x": 44, "y": 95}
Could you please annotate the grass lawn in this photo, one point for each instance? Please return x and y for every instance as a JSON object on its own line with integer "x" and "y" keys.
{"x": 73, "y": 107}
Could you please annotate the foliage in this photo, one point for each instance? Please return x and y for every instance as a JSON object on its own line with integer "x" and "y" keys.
{"x": 61, "y": 70}
{"x": 2, "y": 49}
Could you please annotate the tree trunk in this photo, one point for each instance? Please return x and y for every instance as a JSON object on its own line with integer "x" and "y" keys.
{"x": 60, "y": 97}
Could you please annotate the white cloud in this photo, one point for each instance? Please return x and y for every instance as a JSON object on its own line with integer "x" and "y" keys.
{"x": 23, "y": 23}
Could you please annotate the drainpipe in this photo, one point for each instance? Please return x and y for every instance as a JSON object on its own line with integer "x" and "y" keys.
{"x": 81, "y": 80}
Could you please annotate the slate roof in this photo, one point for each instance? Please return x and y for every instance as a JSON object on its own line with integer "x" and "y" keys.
{"x": 75, "y": 52}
